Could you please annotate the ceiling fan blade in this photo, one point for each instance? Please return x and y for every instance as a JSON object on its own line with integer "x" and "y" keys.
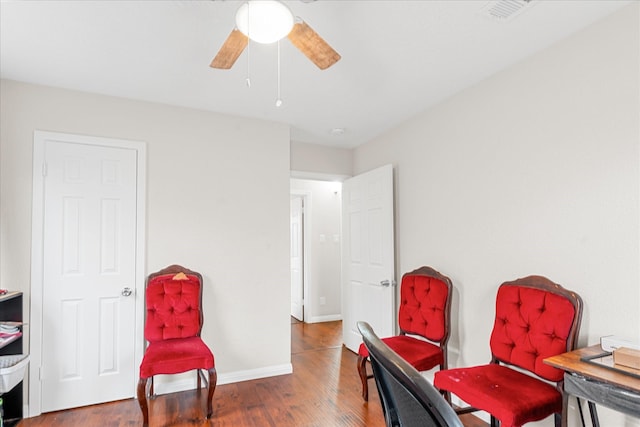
{"x": 313, "y": 46}
{"x": 230, "y": 50}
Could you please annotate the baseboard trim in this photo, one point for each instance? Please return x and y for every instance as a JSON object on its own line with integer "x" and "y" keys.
{"x": 229, "y": 378}
{"x": 327, "y": 318}
{"x": 254, "y": 374}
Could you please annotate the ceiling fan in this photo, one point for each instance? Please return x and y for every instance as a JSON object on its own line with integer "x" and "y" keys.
{"x": 267, "y": 21}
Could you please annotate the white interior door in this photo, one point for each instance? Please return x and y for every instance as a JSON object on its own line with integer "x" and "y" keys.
{"x": 89, "y": 261}
{"x": 368, "y": 255}
{"x": 297, "y": 258}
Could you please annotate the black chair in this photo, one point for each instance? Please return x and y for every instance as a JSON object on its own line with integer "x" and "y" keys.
{"x": 408, "y": 399}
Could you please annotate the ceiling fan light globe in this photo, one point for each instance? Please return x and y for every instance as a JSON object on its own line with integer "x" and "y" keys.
{"x": 264, "y": 21}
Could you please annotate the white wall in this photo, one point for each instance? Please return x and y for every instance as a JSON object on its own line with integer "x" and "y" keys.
{"x": 310, "y": 159}
{"x": 323, "y": 214}
{"x": 533, "y": 171}
{"x": 217, "y": 202}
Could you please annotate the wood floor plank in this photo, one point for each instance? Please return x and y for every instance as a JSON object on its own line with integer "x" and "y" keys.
{"x": 323, "y": 391}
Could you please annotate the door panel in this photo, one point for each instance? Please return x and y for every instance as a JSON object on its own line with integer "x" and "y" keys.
{"x": 89, "y": 255}
{"x": 368, "y": 255}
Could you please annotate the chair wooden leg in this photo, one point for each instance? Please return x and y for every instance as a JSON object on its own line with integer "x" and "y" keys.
{"x": 142, "y": 401}
{"x": 362, "y": 370}
{"x": 494, "y": 421}
{"x": 213, "y": 379}
{"x": 152, "y": 394}
{"x": 199, "y": 379}
{"x": 447, "y": 396}
{"x": 560, "y": 419}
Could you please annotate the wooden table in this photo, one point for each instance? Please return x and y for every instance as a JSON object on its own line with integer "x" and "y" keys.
{"x": 612, "y": 388}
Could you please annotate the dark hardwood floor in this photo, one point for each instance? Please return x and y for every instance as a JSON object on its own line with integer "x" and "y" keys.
{"x": 323, "y": 391}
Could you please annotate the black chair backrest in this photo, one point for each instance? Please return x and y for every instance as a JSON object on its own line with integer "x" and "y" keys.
{"x": 408, "y": 399}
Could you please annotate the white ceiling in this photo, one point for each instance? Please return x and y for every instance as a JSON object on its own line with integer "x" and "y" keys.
{"x": 398, "y": 57}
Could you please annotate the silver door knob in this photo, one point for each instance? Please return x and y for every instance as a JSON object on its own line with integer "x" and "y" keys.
{"x": 126, "y": 292}
{"x": 385, "y": 283}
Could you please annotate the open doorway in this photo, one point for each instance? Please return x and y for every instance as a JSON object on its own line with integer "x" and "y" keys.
{"x": 316, "y": 208}
{"x": 297, "y": 252}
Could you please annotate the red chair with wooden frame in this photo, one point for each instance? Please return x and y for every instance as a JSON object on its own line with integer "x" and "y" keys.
{"x": 172, "y": 327}
{"x": 535, "y": 319}
{"x": 424, "y": 321}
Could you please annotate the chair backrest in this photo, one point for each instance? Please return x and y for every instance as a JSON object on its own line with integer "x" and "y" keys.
{"x": 173, "y": 304}
{"x": 408, "y": 399}
{"x": 425, "y": 305}
{"x": 535, "y": 319}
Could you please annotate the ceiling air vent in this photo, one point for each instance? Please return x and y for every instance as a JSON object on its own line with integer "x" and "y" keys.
{"x": 504, "y": 10}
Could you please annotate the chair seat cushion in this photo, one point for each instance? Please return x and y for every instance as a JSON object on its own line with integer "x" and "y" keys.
{"x": 175, "y": 356}
{"x": 511, "y": 396}
{"x": 420, "y": 354}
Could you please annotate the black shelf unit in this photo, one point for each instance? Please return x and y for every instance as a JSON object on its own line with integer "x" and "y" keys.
{"x": 11, "y": 310}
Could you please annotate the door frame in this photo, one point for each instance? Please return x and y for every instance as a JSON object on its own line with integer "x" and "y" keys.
{"x": 34, "y": 406}
{"x": 306, "y": 232}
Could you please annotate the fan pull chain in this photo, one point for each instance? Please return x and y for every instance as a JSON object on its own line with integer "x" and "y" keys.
{"x": 278, "y": 99}
{"x": 248, "y": 79}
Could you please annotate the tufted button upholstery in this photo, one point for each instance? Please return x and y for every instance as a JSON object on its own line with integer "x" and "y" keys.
{"x": 422, "y": 310}
{"x": 536, "y": 326}
{"x": 170, "y": 308}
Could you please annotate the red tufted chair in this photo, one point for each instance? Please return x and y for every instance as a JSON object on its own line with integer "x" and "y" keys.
{"x": 423, "y": 318}
{"x": 172, "y": 328}
{"x": 535, "y": 319}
